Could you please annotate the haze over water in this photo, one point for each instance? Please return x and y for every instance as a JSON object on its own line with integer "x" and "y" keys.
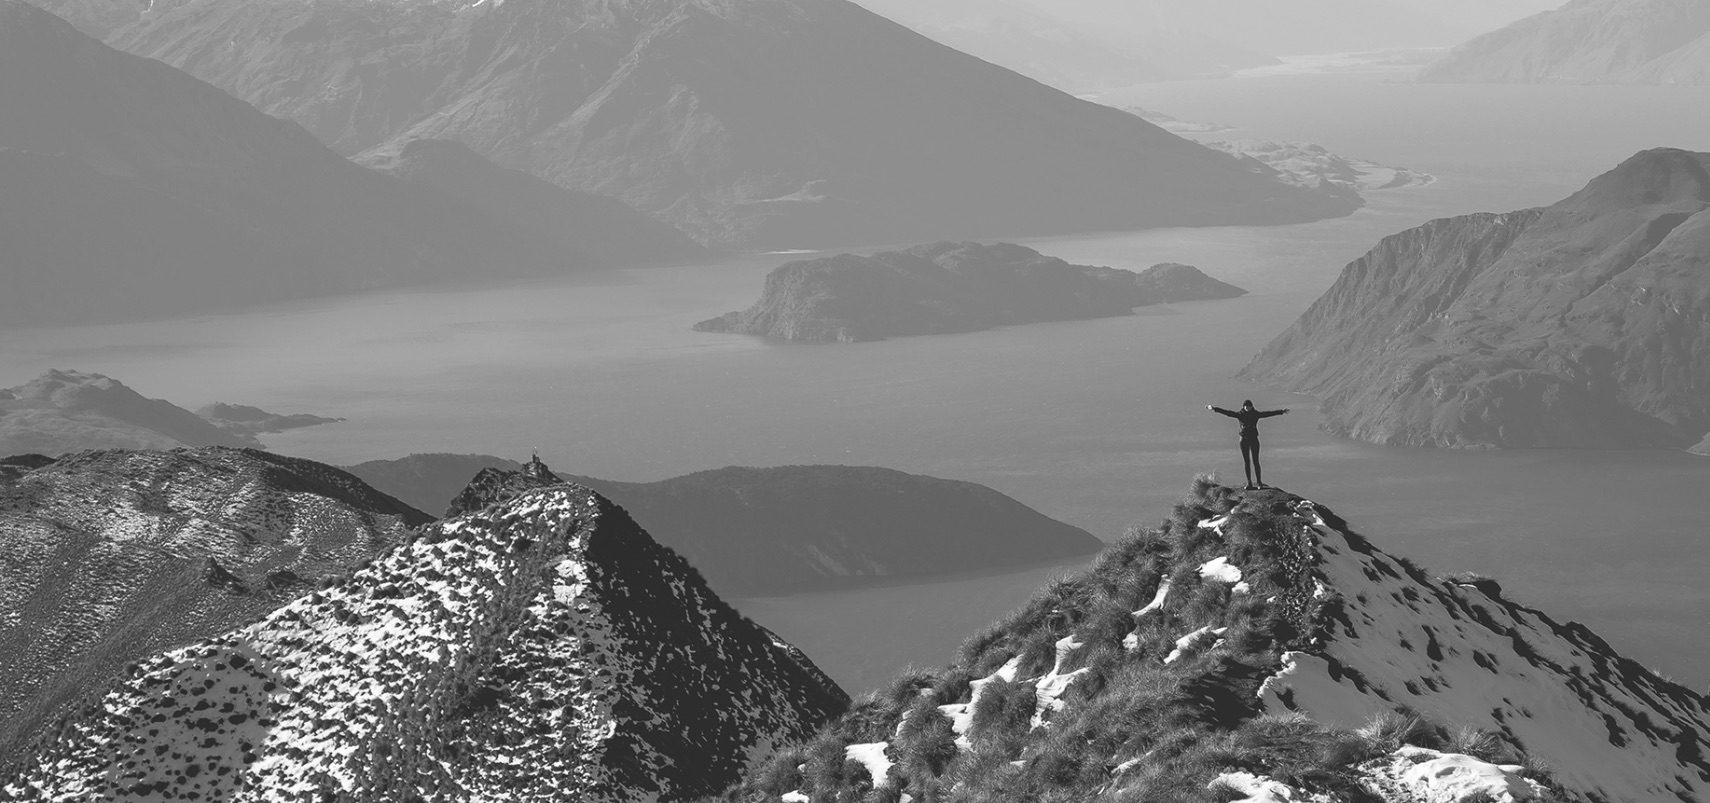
{"x": 1098, "y": 423}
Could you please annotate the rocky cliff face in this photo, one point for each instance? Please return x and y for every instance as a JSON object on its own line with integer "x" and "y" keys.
{"x": 1254, "y": 647}
{"x": 542, "y": 648}
{"x": 106, "y": 557}
{"x": 1590, "y": 41}
{"x": 950, "y": 287}
{"x": 774, "y": 123}
{"x": 1577, "y": 325}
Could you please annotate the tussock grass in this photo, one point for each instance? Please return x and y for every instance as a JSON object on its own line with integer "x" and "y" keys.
{"x": 1186, "y": 722}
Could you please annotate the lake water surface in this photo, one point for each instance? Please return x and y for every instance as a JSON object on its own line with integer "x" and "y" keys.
{"x": 1098, "y": 423}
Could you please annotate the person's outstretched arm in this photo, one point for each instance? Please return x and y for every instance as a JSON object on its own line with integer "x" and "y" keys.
{"x": 1273, "y": 413}
{"x": 1229, "y": 413}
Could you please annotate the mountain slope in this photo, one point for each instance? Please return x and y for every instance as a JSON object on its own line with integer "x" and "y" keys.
{"x": 129, "y": 189}
{"x": 1078, "y": 59}
{"x": 766, "y": 531}
{"x": 772, "y": 123}
{"x": 598, "y": 227}
{"x": 1230, "y": 655}
{"x": 950, "y": 287}
{"x": 106, "y": 557}
{"x": 69, "y": 411}
{"x": 543, "y": 648}
{"x": 1578, "y": 325}
{"x": 1589, "y": 41}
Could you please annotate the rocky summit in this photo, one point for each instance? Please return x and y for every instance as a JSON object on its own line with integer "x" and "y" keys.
{"x": 106, "y": 557}
{"x": 1255, "y": 647}
{"x": 950, "y": 287}
{"x": 756, "y": 125}
{"x": 543, "y": 648}
{"x": 1582, "y": 324}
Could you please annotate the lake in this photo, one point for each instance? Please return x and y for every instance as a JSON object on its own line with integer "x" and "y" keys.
{"x": 1098, "y": 423}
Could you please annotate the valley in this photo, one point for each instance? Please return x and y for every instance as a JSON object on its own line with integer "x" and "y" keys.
{"x": 604, "y": 376}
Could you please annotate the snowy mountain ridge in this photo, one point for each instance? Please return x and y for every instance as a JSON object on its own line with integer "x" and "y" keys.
{"x": 1254, "y": 647}
{"x": 109, "y": 556}
{"x": 540, "y": 648}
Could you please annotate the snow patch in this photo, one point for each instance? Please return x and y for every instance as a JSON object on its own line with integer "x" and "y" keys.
{"x": 1132, "y": 641}
{"x": 1257, "y": 788}
{"x": 1428, "y": 776}
{"x": 872, "y": 756}
{"x": 1048, "y": 690}
{"x": 1221, "y": 570}
{"x": 1192, "y": 640}
{"x": 961, "y": 715}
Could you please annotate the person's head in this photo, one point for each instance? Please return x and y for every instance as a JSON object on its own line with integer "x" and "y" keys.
{"x": 1247, "y": 405}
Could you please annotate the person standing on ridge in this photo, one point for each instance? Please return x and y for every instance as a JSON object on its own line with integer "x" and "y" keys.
{"x": 1249, "y": 419}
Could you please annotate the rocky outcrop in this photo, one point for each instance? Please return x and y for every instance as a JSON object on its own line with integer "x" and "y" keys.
{"x": 782, "y": 530}
{"x": 106, "y": 557}
{"x": 130, "y": 189}
{"x": 762, "y": 124}
{"x": 541, "y": 648}
{"x": 1255, "y": 647}
{"x": 1577, "y": 325}
{"x": 428, "y": 481}
{"x": 1590, "y": 41}
{"x": 950, "y": 287}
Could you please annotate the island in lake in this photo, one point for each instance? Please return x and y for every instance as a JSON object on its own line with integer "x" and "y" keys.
{"x": 951, "y": 287}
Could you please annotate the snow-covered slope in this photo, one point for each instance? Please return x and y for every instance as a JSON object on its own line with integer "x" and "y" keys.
{"x": 543, "y": 648}
{"x": 106, "y": 557}
{"x": 1256, "y": 648}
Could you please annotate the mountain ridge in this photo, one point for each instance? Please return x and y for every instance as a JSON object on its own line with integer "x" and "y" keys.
{"x": 771, "y": 124}
{"x": 1255, "y": 647}
{"x": 134, "y": 190}
{"x": 784, "y": 529}
{"x": 107, "y": 556}
{"x": 1589, "y": 41}
{"x": 537, "y": 647}
{"x": 70, "y": 411}
{"x": 1574, "y": 325}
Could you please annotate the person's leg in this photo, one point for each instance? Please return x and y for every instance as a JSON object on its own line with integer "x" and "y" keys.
{"x": 1258, "y": 471}
{"x": 1248, "y": 460}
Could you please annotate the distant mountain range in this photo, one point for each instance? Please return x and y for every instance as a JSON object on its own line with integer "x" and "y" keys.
{"x": 70, "y": 411}
{"x": 540, "y": 648}
{"x": 107, "y": 557}
{"x": 771, "y": 531}
{"x": 1075, "y": 58}
{"x": 763, "y": 124}
{"x": 129, "y": 189}
{"x": 1255, "y": 648}
{"x": 1581, "y": 324}
{"x": 950, "y": 287}
{"x": 1590, "y": 41}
